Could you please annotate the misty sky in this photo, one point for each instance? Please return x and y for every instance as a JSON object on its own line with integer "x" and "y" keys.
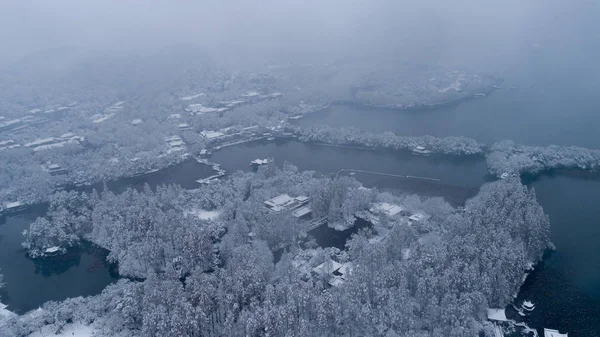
{"x": 463, "y": 31}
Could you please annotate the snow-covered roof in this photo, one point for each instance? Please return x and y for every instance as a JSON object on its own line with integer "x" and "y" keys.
{"x": 302, "y": 198}
{"x": 174, "y": 116}
{"x": 101, "y": 118}
{"x": 136, "y": 121}
{"x": 41, "y": 141}
{"x": 554, "y": 333}
{"x": 419, "y": 216}
{"x": 302, "y": 211}
{"x": 6, "y": 142}
{"x": 53, "y": 249}
{"x": 345, "y": 269}
{"x": 183, "y": 125}
{"x": 496, "y": 315}
{"x": 251, "y": 94}
{"x": 48, "y": 146}
{"x": 53, "y": 167}
{"x": 327, "y": 267}
{"x": 260, "y": 161}
{"x": 387, "y": 208}
{"x": 211, "y": 134}
{"x": 13, "y": 204}
{"x": 188, "y": 98}
{"x": 280, "y": 200}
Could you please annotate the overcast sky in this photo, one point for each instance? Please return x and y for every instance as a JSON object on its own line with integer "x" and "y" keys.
{"x": 468, "y": 31}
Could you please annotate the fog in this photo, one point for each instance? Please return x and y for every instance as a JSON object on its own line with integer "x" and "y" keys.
{"x": 465, "y": 32}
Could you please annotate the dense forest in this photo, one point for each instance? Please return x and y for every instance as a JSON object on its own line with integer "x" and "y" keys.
{"x": 217, "y": 276}
{"x": 388, "y": 140}
{"x": 508, "y": 157}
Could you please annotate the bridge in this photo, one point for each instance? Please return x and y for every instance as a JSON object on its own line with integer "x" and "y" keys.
{"x": 387, "y": 175}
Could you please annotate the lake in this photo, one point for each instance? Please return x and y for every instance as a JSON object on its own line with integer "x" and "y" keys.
{"x": 566, "y": 287}
{"x": 549, "y": 96}
{"x": 81, "y": 271}
{"x": 184, "y": 174}
{"x": 459, "y": 178}
{"x": 31, "y": 282}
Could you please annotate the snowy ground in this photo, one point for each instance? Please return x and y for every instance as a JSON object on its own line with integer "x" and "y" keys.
{"x": 205, "y": 215}
{"x": 70, "y": 330}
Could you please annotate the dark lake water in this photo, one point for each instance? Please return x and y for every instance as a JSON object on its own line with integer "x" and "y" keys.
{"x": 82, "y": 271}
{"x": 184, "y": 174}
{"x": 566, "y": 287}
{"x": 459, "y": 178}
{"x": 31, "y": 282}
{"x": 549, "y": 96}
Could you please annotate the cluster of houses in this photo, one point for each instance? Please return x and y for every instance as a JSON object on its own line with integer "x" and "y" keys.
{"x": 175, "y": 144}
{"x": 108, "y": 113}
{"x": 500, "y": 319}
{"x": 298, "y": 206}
{"x": 8, "y": 144}
{"x": 53, "y": 168}
{"x": 21, "y": 123}
{"x": 391, "y": 210}
{"x": 248, "y": 98}
{"x": 53, "y": 142}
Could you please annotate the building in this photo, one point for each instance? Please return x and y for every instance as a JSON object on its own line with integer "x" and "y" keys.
{"x": 211, "y": 134}
{"x": 285, "y": 202}
{"x": 12, "y": 207}
{"x": 52, "y": 142}
{"x": 184, "y": 127}
{"x": 418, "y": 217}
{"x": 337, "y": 273}
{"x": 498, "y": 315}
{"x": 136, "y": 121}
{"x": 302, "y": 212}
{"x": 554, "y": 333}
{"x": 54, "y": 169}
{"x": 386, "y": 208}
{"x": 8, "y": 144}
{"x": 175, "y": 144}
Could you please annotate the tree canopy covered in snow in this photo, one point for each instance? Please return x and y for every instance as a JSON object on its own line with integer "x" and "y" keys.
{"x": 389, "y": 140}
{"x": 218, "y": 277}
{"x": 508, "y": 157}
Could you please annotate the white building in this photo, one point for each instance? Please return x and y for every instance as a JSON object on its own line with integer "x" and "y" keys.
{"x": 554, "y": 333}
{"x": 302, "y": 212}
{"x": 497, "y": 315}
{"x": 418, "y": 217}
{"x": 184, "y": 127}
{"x": 386, "y": 208}
{"x": 285, "y": 202}
{"x": 211, "y": 134}
{"x": 136, "y": 121}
